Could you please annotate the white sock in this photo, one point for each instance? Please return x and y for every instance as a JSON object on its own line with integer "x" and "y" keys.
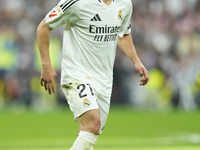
{"x": 85, "y": 141}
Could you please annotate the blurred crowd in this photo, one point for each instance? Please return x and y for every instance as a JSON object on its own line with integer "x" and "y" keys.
{"x": 166, "y": 35}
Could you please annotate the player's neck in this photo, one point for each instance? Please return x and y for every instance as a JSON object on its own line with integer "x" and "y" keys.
{"x": 107, "y": 2}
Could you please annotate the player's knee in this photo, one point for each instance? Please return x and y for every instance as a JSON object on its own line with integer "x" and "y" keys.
{"x": 90, "y": 121}
{"x": 91, "y": 126}
{"x": 95, "y": 126}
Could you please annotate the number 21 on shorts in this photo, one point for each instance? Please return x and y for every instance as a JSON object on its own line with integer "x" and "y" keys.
{"x": 82, "y": 88}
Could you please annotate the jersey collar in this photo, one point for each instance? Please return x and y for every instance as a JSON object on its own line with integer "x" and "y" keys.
{"x": 102, "y": 2}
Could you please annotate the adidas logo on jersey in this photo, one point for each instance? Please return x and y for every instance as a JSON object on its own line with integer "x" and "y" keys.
{"x": 96, "y": 18}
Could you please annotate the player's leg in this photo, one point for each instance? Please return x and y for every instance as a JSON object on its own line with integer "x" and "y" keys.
{"x": 90, "y": 121}
{"x": 82, "y": 102}
{"x": 89, "y": 125}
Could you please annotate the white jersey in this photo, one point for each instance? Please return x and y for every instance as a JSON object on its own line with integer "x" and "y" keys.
{"x": 90, "y": 38}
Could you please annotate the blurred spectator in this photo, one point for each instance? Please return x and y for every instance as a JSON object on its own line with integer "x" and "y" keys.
{"x": 166, "y": 35}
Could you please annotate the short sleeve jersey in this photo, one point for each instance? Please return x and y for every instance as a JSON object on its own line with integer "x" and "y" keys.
{"x": 90, "y": 38}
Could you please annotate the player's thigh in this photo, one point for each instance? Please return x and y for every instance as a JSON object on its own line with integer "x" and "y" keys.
{"x": 80, "y": 96}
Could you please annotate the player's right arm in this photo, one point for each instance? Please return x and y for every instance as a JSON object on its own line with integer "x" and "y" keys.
{"x": 47, "y": 73}
{"x": 65, "y": 11}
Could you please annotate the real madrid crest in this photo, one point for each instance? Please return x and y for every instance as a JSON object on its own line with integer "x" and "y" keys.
{"x": 120, "y": 15}
{"x": 86, "y": 102}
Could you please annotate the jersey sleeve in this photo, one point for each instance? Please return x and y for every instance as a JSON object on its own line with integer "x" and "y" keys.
{"x": 65, "y": 12}
{"x": 126, "y": 25}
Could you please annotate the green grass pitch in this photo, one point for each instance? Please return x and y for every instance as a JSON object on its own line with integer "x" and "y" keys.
{"x": 126, "y": 129}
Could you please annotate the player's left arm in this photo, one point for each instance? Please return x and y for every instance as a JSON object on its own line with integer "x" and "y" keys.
{"x": 127, "y": 46}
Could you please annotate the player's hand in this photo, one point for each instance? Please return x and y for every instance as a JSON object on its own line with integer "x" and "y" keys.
{"x": 143, "y": 73}
{"x": 47, "y": 78}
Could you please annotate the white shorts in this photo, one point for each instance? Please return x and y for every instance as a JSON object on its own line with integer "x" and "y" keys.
{"x": 82, "y": 97}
